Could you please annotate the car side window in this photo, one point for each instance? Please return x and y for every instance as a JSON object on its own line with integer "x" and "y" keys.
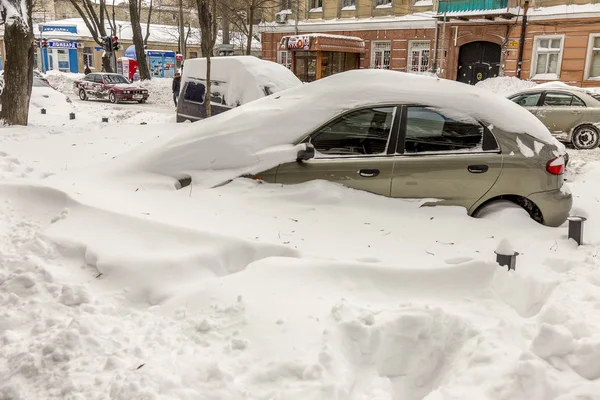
{"x": 555, "y": 99}
{"x": 194, "y": 92}
{"x": 98, "y": 79}
{"x": 89, "y": 78}
{"x": 428, "y": 130}
{"x": 527, "y": 100}
{"x": 358, "y": 133}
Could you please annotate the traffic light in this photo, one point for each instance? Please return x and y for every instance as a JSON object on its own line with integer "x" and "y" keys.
{"x": 115, "y": 43}
{"x": 108, "y": 44}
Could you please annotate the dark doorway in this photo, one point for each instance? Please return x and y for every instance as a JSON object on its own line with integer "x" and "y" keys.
{"x": 478, "y": 61}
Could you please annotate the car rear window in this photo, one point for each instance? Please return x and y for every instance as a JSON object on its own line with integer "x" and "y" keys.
{"x": 194, "y": 92}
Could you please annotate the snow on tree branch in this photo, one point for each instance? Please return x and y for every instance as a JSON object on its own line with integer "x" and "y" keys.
{"x": 14, "y": 12}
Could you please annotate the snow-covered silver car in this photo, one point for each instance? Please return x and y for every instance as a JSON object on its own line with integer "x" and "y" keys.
{"x": 571, "y": 114}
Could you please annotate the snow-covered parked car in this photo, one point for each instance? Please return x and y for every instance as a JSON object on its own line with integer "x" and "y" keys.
{"x": 235, "y": 81}
{"x": 115, "y": 87}
{"x": 389, "y": 133}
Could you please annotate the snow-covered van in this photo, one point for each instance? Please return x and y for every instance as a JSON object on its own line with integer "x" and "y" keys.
{"x": 235, "y": 80}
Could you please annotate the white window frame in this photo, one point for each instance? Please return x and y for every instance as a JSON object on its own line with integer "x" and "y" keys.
{"x": 409, "y": 65}
{"x": 588, "y": 58}
{"x": 88, "y": 55}
{"x": 533, "y": 73}
{"x": 288, "y": 58}
{"x": 374, "y": 50}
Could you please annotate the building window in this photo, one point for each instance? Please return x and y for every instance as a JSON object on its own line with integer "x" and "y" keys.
{"x": 286, "y": 4}
{"x": 316, "y": 4}
{"x": 593, "y": 58}
{"x": 380, "y": 55}
{"x": 349, "y": 4}
{"x": 547, "y": 57}
{"x": 193, "y": 54}
{"x": 418, "y": 56}
{"x": 384, "y": 3}
{"x": 284, "y": 58}
{"x": 88, "y": 56}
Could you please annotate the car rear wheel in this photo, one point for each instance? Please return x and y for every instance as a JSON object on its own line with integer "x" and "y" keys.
{"x": 141, "y": 101}
{"x": 112, "y": 97}
{"x": 82, "y": 95}
{"x": 585, "y": 138}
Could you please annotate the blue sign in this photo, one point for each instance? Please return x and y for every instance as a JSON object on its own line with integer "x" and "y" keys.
{"x": 60, "y": 28}
{"x": 62, "y": 45}
{"x": 160, "y": 53}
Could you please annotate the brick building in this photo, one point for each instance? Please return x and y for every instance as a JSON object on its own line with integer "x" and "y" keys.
{"x": 477, "y": 39}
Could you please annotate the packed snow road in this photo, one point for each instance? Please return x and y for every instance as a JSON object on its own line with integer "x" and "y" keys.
{"x": 258, "y": 291}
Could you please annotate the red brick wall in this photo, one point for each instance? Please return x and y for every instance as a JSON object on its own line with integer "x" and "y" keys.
{"x": 576, "y": 33}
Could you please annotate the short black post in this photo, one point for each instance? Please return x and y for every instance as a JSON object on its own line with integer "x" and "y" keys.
{"x": 104, "y": 119}
{"x": 576, "y": 229}
{"x": 143, "y": 123}
{"x": 507, "y": 260}
{"x": 71, "y": 115}
{"x": 43, "y": 111}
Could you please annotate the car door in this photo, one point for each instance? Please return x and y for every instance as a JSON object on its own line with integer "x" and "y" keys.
{"x": 87, "y": 82}
{"x": 561, "y": 112}
{"x": 454, "y": 159}
{"x": 356, "y": 150}
{"x": 98, "y": 85}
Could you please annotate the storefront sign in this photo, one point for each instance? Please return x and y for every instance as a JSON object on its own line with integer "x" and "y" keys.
{"x": 60, "y": 28}
{"x": 298, "y": 43}
{"x": 513, "y": 43}
{"x": 62, "y": 45}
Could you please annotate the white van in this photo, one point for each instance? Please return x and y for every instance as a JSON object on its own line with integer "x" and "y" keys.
{"x": 235, "y": 80}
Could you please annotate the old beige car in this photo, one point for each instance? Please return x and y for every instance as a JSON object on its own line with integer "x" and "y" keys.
{"x": 572, "y": 115}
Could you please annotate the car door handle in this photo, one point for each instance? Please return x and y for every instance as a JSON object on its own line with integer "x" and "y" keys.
{"x": 369, "y": 172}
{"x": 477, "y": 169}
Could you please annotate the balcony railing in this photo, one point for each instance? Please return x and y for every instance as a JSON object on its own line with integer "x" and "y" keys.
{"x": 470, "y": 5}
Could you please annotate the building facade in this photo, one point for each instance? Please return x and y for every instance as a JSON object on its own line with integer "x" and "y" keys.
{"x": 464, "y": 40}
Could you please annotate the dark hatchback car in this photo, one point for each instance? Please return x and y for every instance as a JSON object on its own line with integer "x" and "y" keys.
{"x": 115, "y": 87}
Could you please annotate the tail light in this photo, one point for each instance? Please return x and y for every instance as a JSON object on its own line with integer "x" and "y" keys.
{"x": 556, "y": 166}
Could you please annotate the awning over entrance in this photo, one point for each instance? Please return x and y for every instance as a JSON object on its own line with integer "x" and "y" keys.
{"x": 323, "y": 42}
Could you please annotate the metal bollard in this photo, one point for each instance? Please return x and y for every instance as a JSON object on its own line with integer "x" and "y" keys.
{"x": 507, "y": 260}
{"x": 104, "y": 119}
{"x": 576, "y": 228}
{"x": 71, "y": 115}
{"x": 43, "y": 111}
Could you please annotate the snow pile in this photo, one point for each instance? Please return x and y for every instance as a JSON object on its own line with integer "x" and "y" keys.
{"x": 240, "y": 292}
{"x": 63, "y": 81}
{"x": 505, "y": 85}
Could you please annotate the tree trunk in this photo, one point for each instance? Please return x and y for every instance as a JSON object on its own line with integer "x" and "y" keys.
{"x": 106, "y": 64}
{"x": 208, "y": 29}
{"x": 138, "y": 41}
{"x": 18, "y": 42}
{"x": 148, "y": 23}
{"x": 182, "y": 42}
{"x": 225, "y": 20}
{"x": 250, "y": 29}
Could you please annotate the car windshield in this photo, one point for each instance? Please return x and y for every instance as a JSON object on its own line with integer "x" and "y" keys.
{"x": 115, "y": 79}
{"x": 37, "y": 82}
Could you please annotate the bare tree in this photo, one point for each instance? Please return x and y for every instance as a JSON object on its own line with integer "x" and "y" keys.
{"x": 207, "y": 11}
{"x": 95, "y": 24}
{"x": 244, "y": 14}
{"x": 18, "y": 75}
{"x": 138, "y": 40}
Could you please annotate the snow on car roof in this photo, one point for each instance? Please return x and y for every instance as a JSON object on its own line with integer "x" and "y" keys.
{"x": 239, "y": 138}
{"x": 245, "y": 75}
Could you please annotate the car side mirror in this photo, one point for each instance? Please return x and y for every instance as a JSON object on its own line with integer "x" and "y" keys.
{"x": 307, "y": 153}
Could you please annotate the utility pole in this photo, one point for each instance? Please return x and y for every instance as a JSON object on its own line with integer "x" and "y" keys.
{"x": 522, "y": 41}
{"x": 225, "y": 21}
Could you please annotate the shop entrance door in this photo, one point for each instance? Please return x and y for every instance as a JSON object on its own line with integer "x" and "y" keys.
{"x": 478, "y": 61}
{"x": 306, "y": 66}
{"x": 59, "y": 59}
